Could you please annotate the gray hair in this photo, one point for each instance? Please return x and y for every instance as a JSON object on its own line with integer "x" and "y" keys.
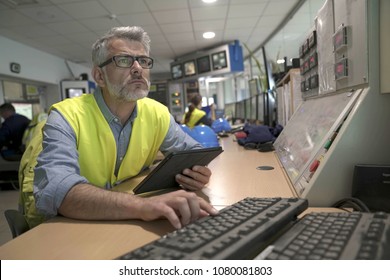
{"x": 131, "y": 33}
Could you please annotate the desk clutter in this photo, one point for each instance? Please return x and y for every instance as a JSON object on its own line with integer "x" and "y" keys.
{"x": 268, "y": 228}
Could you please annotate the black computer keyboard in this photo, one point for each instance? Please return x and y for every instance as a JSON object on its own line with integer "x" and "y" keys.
{"x": 316, "y": 236}
{"x": 239, "y": 231}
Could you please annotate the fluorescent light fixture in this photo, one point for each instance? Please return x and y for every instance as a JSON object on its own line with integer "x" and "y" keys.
{"x": 209, "y": 1}
{"x": 208, "y": 35}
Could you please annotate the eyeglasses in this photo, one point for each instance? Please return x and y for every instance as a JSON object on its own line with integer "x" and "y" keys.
{"x": 126, "y": 61}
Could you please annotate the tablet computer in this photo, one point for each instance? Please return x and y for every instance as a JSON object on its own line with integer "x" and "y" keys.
{"x": 163, "y": 175}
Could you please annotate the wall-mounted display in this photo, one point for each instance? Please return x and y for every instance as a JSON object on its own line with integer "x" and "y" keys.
{"x": 189, "y": 68}
{"x": 203, "y": 64}
{"x": 75, "y": 92}
{"x": 177, "y": 71}
{"x": 219, "y": 60}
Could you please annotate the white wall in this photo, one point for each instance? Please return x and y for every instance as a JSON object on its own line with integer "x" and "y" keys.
{"x": 35, "y": 64}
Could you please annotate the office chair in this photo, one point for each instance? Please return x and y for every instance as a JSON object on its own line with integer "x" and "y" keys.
{"x": 16, "y": 222}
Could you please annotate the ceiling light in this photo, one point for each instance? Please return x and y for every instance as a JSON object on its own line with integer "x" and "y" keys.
{"x": 208, "y": 35}
{"x": 209, "y": 1}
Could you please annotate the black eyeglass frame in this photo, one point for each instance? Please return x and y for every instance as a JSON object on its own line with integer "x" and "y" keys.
{"x": 134, "y": 58}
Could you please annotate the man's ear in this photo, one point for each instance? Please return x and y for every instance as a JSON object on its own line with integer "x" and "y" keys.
{"x": 98, "y": 76}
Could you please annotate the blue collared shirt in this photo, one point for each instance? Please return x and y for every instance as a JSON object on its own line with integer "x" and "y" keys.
{"x": 58, "y": 169}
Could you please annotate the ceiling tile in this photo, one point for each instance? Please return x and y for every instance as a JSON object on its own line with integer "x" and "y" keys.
{"x": 176, "y": 28}
{"x": 100, "y": 23}
{"x": 119, "y": 7}
{"x": 234, "y": 23}
{"x": 248, "y": 10}
{"x": 89, "y": 9}
{"x": 14, "y": 18}
{"x": 140, "y": 19}
{"x": 158, "y": 5}
{"x": 173, "y": 16}
{"x": 186, "y": 36}
{"x": 67, "y": 27}
{"x": 279, "y": 7}
{"x": 45, "y": 14}
{"x": 208, "y": 25}
{"x": 209, "y": 13}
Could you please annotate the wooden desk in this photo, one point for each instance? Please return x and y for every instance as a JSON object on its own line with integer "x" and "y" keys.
{"x": 234, "y": 177}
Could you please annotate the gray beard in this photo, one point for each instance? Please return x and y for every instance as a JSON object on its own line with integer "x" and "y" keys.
{"x": 122, "y": 94}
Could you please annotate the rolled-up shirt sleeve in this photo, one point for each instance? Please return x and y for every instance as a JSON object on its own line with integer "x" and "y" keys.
{"x": 58, "y": 169}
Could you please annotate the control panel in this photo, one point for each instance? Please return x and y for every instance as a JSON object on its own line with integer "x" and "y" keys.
{"x": 176, "y": 100}
{"x": 309, "y": 65}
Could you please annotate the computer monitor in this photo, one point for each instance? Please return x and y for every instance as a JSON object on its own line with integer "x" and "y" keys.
{"x": 203, "y": 64}
{"x": 177, "y": 71}
{"x": 189, "y": 68}
{"x": 219, "y": 60}
{"x": 25, "y": 109}
{"x": 74, "y": 92}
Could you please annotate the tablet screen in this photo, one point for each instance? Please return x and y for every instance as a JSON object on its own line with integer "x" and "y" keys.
{"x": 163, "y": 175}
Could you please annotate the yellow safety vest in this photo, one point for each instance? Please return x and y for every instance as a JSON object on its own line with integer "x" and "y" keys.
{"x": 96, "y": 144}
{"x": 196, "y": 115}
{"x": 26, "y": 177}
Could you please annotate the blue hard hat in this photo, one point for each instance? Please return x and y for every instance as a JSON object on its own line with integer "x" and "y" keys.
{"x": 205, "y": 136}
{"x": 220, "y": 125}
{"x": 185, "y": 128}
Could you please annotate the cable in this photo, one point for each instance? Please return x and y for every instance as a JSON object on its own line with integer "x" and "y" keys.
{"x": 355, "y": 203}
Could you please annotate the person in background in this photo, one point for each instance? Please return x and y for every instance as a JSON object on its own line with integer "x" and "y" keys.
{"x": 93, "y": 142}
{"x": 195, "y": 116}
{"x": 11, "y": 132}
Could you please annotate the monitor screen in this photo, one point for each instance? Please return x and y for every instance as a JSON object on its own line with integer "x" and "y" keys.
{"x": 177, "y": 71}
{"x": 25, "y": 109}
{"x": 189, "y": 68}
{"x": 203, "y": 64}
{"x": 219, "y": 60}
{"x": 74, "y": 92}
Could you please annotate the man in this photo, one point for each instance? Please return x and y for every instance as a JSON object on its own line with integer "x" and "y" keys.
{"x": 92, "y": 142}
{"x": 11, "y": 132}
